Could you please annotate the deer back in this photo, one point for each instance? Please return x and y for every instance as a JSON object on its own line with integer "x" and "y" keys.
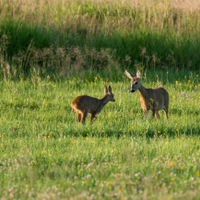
{"x": 85, "y": 103}
{"x": 91, "y": 104}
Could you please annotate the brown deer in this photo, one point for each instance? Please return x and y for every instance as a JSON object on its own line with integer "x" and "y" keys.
{"x": 150, "y": 99}
{"x": 86, "y": 104}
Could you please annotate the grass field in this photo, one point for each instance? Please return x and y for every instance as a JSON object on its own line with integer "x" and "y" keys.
{"x": 51, "y": 52}
{"x": 45, "y": 153}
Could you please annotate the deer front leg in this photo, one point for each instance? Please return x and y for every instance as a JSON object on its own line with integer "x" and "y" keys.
{"x": 145, "y": 113}
{"x": 153, "y": 113}
{"x": 157, "y": 115}
{"x": 84, "y": 116}
{"x": 166, "y": 113}
{"x": 78, "y": 117}
{"x": 92, "y": 117}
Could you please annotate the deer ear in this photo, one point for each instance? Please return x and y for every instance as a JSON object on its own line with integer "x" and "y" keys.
{"x": 105, "y": 90}
{"x": 129, "y": 75}
{"x": 139, "y": 75}
{"x": 110, "y": 89}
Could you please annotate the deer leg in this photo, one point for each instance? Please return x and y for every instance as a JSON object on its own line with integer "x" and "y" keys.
{"x": 145, "y": 114}
{"x": 157, "y": 115}
{"x": 153, "y": 113}
{"x": 166, "y": 113}
{"x": 92, "y": 117}
{"x": 84, "y": 116}
{"x": 78, "y": 117}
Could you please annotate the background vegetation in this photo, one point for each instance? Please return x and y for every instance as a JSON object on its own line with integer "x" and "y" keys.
{"x": 51, "y": 52}
{"x": 71, "y": 36}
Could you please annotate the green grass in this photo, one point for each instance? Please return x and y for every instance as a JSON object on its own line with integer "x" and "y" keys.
{"x": 47, "y": 154}
{"x": 51, "y": 52}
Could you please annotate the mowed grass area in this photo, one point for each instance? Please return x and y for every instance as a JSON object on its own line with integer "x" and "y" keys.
{"x": 46, "y": 154}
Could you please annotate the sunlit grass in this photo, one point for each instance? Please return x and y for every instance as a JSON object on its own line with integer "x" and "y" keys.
{"x": 47, "y": 154}
{"x": 51, "y": 52}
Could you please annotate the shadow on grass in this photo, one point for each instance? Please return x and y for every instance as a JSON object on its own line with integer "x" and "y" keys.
{"x": 161, "y": 49}
{"x": 7, "y": 105}
{"x": 150, "y": 133}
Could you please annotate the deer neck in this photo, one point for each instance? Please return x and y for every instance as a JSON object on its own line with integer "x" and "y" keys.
{"x": 143, "y": 92}
{"x": 103, "y": 101}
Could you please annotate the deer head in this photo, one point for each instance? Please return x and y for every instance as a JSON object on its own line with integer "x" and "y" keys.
{"x": 109, "y": 94}
{"x": 135, "y": 81}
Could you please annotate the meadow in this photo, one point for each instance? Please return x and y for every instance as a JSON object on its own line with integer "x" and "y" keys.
{"x": 46, "y": 154}
{"x": 51, "y": 52}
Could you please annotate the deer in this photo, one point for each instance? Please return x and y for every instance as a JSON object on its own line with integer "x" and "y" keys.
{"x": 150, "y": 99}
{"x": 85, "y": 104}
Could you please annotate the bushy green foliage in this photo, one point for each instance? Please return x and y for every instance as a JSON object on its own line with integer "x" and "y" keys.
{"x": 159, "y": 35}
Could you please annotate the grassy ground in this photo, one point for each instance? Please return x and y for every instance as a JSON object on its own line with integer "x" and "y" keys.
{"x": 47, "y": 154}
{"x": 51, "y": 52}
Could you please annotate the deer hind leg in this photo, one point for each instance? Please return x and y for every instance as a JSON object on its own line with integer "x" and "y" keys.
{"x": 157, "y": 115}
{"x": 92, "y": 117}
{"x": 166, "y": 113}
